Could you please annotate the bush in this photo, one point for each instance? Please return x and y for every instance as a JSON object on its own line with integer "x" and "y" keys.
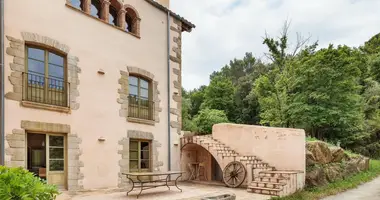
{"x": 207, "y": 118}
{"x": 20, "y": 184}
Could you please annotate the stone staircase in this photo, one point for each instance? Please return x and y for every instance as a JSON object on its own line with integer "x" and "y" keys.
{"x": 262, "y": 178}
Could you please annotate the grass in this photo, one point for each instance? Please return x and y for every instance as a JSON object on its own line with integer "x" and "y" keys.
{"x": 338, "y": 186}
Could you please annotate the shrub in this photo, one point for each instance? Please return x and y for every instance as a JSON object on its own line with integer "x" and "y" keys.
{"x": 207, "y": 118}
{"x": 20, "y": 184}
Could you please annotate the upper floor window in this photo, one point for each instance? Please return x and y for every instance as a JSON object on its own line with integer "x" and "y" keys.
{"x": 140, "y": 98}
{"x": 79, "y": 4}
{"x": 131, "y": 21}
{"x": 113, "y": 15}
{"x": 112, "y": 12}
{"x": 45, "y": 80}
{"x": 95, "y": 8}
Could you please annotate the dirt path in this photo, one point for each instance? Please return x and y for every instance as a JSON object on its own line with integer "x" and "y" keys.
{"x": 367, "y": 191}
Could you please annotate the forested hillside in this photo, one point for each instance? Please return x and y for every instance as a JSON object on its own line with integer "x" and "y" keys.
{"x": 332, "y": 93}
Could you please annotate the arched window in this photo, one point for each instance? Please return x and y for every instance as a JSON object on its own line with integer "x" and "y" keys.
{"x": 128, "y": 23}
{"x": 96, "y": 8}
{"x": 78, "y": 4}
{"x": 46, "y": 76}
{"x": 113, "y": 16}
{"x": 132, "y": 20}
{"x": 140, "y": 98}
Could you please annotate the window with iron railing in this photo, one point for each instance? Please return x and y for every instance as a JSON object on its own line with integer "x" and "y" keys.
{"x": 45, "y": 78}
{"x": 140, "y": 104}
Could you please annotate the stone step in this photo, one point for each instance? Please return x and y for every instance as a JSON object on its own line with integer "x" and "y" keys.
{"x": 225, "y": 151}
{"x": 248, "y": 158}
{"x": 251, "y": 161}
{"x": 229, "y": 155}
{"x": 275, "y": 174}
{"x": 265, "y": 184}
{"x": 270, "y": 179}
{"x": 265, "y": 191}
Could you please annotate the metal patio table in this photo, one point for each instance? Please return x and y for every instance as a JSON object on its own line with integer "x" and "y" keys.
{"x": 152, "y": 183}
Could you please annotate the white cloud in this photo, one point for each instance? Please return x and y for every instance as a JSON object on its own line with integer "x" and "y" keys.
{"x": 228, "y": 28}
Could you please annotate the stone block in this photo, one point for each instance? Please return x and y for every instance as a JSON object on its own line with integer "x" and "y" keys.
{"x": 18, "y": 61}
{"x": 176, "y": 71}
{"x": 17, "y": 67}
{"x": 12, "y": 39}
{"x": 16, "y": 164}
{"x": 175, "y": 59}
{"x": 123, "y": 162}
{"x": 14, "y": 96}
{"x": 15, "y": 80}
{"x": 15, "y": 52}
{"x": 16, "y": 144}
{"x": 18, "y": 137}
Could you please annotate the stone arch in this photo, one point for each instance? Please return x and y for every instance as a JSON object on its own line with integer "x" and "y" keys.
{"x": 214, "y": 154}
{"x": 132, "y": 20}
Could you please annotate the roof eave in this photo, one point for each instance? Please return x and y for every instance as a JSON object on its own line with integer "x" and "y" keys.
{"x": 186, "y": 25}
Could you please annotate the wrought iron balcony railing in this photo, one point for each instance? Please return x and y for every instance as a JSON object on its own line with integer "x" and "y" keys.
{"x": 46, "y": 90}
{"x": 140, "y": 108}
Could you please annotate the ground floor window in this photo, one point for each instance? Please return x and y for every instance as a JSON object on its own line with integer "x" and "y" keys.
{"x": 139, "y": 156}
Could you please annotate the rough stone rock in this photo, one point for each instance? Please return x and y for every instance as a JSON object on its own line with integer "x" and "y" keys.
{"x": 321, "y": 151}
{"x": 338, "y": 154}
{"x": 316, "y": 177}
{"x": 333, "y": 172}
{"x": 310, "y": 159}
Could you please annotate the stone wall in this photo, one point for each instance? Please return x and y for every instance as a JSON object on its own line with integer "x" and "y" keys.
{"x": 327, "y": 163}
{"x": 17, "y": 50}
{"x": 17, "y": 149}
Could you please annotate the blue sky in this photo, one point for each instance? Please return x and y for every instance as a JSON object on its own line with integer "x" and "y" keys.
{"x": 228, "y": 28}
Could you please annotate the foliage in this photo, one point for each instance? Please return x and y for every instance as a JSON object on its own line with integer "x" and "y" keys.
{"x": 207, "y": 118}
{"x": 372, "y": 46}
{"x": 333, "y": 93}
{"x": 219, "y": 95}
{"x": 338, "y": 186}
{"x": 324, "y": 96}
{"x": 19, "y": 184}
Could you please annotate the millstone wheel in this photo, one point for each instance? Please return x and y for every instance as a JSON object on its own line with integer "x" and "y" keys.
{"x": 234, "y": 174}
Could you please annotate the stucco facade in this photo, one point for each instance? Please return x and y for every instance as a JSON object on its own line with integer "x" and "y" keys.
{"x": 100, "y": 58}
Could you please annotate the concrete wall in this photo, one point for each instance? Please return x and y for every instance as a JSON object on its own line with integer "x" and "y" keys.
{"x": 282, "y": 148}
{"x": 97, "y": 46}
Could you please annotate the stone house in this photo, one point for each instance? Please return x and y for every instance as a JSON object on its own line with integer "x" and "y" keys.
{"x": 92, "y": 89}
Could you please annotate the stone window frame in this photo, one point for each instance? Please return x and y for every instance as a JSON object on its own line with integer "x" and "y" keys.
{"x": 17, "y": 48}
{"x": 16, "y": 149}
{"x": 122, "y": 10}
{"x": 124, "y": 93}
{"x": 124, "y": 152}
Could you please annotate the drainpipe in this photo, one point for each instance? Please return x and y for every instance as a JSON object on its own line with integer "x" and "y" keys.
{"x": 2, "y": 135}
{"x": 168, "y": 58}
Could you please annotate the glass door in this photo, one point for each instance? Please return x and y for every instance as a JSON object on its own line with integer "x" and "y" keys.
{"x": 56, "y": 148}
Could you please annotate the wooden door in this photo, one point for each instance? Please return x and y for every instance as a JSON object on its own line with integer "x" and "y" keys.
{"x": 56, "y": 160}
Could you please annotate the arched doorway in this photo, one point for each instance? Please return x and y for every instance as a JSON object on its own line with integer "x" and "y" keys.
{"x": 192, "y": 155}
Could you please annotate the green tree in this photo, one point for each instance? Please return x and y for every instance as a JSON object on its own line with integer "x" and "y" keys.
{"x": 372, "y": 46}
{"x": 207, "y": 118}
{"x": 197, "y": 97}
{"x": 187, "y": 123}
{"x": 325, "y": 98}
{"x": 219, "y": 95}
